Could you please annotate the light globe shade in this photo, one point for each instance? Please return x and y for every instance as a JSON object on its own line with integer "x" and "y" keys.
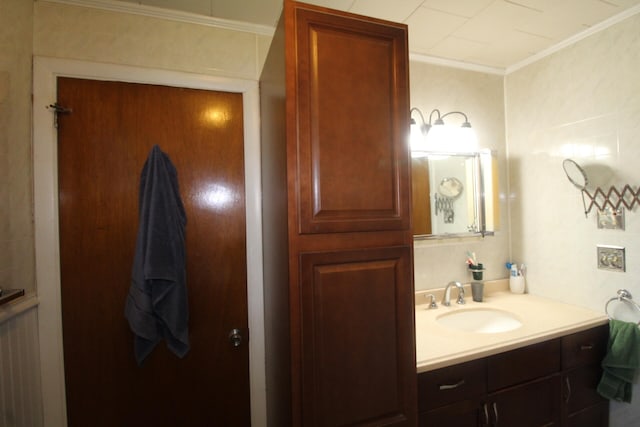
{"x": 452, "y": 138}
{"x": 417, "y": 141}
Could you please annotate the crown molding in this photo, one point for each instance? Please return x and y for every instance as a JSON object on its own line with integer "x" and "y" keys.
{"x": 172, "y": 15}
{"x": 575, "y": 38}
{"x": 155, "y": 12}
{"x": 418, "y": 57}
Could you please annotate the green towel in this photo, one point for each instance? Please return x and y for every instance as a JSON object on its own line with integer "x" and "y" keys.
{"x": 621, "y": 361}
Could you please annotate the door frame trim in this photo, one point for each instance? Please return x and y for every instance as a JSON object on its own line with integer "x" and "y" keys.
{"x": 45, "y": 178}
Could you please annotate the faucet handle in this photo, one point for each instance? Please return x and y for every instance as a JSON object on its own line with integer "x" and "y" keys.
{"x": 432, "y": 304}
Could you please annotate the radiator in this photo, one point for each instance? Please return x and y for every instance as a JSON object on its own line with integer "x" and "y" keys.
{"x": 20, "y": 392}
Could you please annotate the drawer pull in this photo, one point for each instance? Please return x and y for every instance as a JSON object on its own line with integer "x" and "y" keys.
{"x": 486, "y": 414}
{"x": 451, "y": 386}
{"x": 567, "y": 390}
{"x": 495, "y": 413}
{"x": 586, "y": 347}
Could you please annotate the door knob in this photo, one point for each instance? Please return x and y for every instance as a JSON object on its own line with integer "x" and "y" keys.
{"x": 235, "y": 337}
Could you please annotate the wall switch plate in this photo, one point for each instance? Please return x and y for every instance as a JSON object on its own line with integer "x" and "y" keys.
{"x": 611, "y": 258}
{"x": 610, "y": 218}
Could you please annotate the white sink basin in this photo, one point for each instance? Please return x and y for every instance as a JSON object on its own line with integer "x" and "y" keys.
{"x": 481, "y": 320}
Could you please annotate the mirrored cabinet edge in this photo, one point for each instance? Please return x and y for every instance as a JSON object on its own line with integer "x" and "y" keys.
{"x": 455, "y": 194}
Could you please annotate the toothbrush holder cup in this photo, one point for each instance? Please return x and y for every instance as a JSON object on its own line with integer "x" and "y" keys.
{"x": 476, "y": 271}
{"x": 477, "y": 291}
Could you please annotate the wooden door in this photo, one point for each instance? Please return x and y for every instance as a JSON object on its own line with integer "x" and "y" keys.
{"x": 102, "y": 146}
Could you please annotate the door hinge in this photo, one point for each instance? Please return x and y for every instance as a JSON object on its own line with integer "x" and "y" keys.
{"x": 58, "y": 109}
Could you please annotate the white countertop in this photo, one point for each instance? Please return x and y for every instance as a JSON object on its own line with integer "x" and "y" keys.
{"x": 438, "y": 346}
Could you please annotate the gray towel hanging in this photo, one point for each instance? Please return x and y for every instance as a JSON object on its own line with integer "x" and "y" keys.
{"x": 156, "y": 305}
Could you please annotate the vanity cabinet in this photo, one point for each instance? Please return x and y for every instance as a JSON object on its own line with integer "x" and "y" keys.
{"x": 552, "y": 383}
{"x": 337, "y": 239}
{"x": 582, "y": 354}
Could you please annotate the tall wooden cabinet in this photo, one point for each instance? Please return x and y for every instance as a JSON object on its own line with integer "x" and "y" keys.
{"x": 338, "y": 258}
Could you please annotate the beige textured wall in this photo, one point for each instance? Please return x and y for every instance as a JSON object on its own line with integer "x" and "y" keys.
{"x": 480, "y": 97}
{"x": 16, "y": 213}
{"x": 65, "y": 31}
{"x": 72, "y": 32}
{"x": 584, "y": 103}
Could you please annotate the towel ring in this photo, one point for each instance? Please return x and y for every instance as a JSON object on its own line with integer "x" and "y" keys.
{"x": 624, "y": 296}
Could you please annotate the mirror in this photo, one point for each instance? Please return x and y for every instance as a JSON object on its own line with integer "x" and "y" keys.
{"x": 575, "y": 174}
{"x": 454, "y": 194}
{"x": 578, "y": 177}
{"x": 450, "y": 187}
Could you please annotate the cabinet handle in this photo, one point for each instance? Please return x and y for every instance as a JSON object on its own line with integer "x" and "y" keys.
{"x": 451, "y": 386}
{"x": 568, "y": 389}
{"x": 486, "y": 414}
{"x": 495, "y": 413}
{"x": 584, "y": 347}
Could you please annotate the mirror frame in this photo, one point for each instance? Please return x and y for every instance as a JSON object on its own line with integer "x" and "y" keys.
{"x": 484, "y": 169}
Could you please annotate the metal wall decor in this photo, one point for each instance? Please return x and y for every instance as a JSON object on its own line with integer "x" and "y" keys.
{"x": 450, "y": 189}
{"x": 444, "y": 205}
{"x": 613, "y": 199}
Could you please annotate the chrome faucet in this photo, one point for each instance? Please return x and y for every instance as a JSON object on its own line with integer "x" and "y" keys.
{"x": 446, "y": 300}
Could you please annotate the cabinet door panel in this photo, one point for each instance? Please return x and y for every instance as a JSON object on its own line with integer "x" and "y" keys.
{"x": 466, "y": 413}
{"x": 593, "y": 416}
{"x": 357, "y": 334}
{"x": 580, "y": 388}
{"x": 353, "y": 116}
{"x": 533, "y": 404}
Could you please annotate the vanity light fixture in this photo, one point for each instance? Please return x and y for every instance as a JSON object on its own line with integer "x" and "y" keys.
{"x": 434, "y": 135}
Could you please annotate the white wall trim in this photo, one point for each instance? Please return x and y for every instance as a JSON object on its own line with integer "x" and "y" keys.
{"x": 46, "y": 70}
{"x": 155, "y": 12}
{"x": 172, "y": 15}
{"x": 534, "y": 58}
{"x": 427, "y": 59}
{"x": 15, "y": 308}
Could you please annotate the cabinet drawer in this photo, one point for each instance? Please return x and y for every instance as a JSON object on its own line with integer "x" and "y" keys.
{"x": 524, "y": 364}
{"x": 585, "y": 348}
{"x": 447, "y": 385}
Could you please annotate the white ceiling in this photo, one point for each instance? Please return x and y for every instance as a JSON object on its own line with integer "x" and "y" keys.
{"x": 489, "y": 33}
